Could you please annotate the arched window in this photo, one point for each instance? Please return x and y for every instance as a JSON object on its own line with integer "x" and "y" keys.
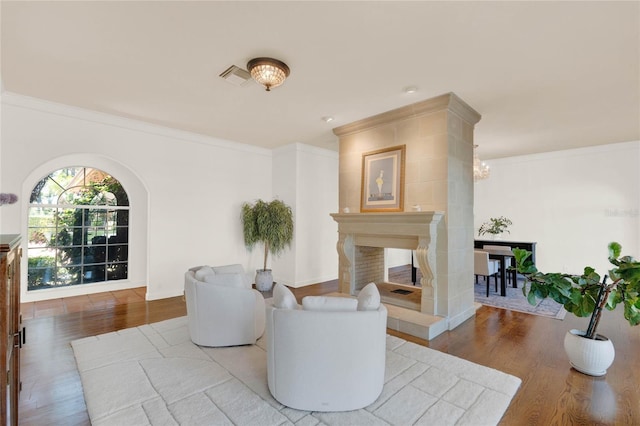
{"x": 78, "y": 229}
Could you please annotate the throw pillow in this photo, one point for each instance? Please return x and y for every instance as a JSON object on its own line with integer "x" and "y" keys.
{"x": 203, "y": 272}
{"x": 283, "y": 298}
{"x": 369, "y": 298}
{"x": 227, "y": 280}
{"x": 236, "y": 268}
{"x": 331, "y": 304}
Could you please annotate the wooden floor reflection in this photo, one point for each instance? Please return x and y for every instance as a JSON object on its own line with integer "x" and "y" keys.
{"x": 527, "y": 346}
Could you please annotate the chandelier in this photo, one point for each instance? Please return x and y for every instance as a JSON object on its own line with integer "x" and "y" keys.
{"x": 480, "y": 169}
{"x": 268, "y": 72}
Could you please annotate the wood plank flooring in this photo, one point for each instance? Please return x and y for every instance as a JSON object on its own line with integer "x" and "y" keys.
{"x": 526, "y": 346}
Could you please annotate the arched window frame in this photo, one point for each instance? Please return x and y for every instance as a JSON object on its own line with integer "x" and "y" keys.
{"x": 78, "y": 229}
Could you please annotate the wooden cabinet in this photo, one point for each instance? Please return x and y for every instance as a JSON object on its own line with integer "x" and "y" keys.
{"x": 11, "y": 332}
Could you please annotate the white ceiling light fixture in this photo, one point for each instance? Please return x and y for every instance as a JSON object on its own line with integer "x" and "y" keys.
{"x": 327, "y": 119}
{"x": 268, "y": 72}
{"x": 480, "y": 169}
{"x": 410, "y": 89}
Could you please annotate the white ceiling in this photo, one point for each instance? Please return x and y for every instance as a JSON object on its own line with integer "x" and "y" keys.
{"x": 544, "y": 75}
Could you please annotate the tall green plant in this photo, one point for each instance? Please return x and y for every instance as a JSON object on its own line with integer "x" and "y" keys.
{"x": 587, "y": 294}
{"x": 268, "y": 223}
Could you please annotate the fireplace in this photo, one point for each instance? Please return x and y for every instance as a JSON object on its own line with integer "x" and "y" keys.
{"x": 363, "y": 238}
{"x": 438, "y": 137}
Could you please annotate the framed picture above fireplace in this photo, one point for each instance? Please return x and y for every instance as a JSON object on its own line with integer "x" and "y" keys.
{"x": 382, "y": 187}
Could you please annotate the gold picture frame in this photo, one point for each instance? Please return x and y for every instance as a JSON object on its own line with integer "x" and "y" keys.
{"x": 382, "y": 188}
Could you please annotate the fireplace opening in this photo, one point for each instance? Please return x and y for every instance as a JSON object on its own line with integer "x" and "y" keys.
{"x": 395, "y": 283}
{"x": 402, "y": 295}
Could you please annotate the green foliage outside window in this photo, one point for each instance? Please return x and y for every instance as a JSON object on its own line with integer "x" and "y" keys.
{"x": 78, "y": 229}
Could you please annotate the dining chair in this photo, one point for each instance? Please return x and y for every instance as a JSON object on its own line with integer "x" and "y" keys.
{"x": 486, "y": 267}
{"x": 508, "y": 260}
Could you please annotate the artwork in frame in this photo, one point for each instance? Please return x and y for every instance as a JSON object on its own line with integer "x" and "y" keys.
{"x": 382, "y": 187}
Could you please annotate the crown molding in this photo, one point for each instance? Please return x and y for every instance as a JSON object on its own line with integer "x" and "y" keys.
{"x": 64, "y": 110}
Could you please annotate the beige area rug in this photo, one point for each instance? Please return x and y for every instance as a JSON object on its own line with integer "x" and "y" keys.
{"x": 515, "y": 301}
{"x": 155, "y": 375}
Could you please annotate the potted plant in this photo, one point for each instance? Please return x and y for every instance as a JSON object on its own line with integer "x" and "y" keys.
{"x": 586, "y": 295}
{"x": 495, "y": 226}
{"x": 271, "y": 224}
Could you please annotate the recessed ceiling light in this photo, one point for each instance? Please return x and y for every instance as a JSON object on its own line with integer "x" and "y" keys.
{"x": 410, "y": 89}
{"x": 327, "y": 119}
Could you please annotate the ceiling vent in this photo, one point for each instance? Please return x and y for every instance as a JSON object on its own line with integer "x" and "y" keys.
{"x": 236, "y": 75}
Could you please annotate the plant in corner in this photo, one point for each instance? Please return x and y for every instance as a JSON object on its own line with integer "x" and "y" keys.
{"x": 586, "y": 295}
{"x": 495, "y": 226}
{"x": 271, "y": 224}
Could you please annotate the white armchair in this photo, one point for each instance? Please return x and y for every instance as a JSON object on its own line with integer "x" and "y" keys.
{"x": 329, "y": 354}
{"x": 222, "y": 308}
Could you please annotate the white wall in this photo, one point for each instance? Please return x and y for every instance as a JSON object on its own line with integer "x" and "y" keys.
{"x": 572, "y": 203}
{"x": 185, "y": 190}
{"x": 193, "y": 186}
{"x": 1, "y": 98}
{"x": 284, "y": 188}
{"x": 307, "y": 178}
{"x": 317, "y": 232}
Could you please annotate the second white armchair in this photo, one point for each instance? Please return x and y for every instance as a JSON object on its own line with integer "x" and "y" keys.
{"x": 222, "y": 307}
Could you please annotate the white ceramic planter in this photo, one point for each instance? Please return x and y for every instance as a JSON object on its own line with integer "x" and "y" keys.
{"x": 264, "y": 279}
{"x": 589, "y": 356}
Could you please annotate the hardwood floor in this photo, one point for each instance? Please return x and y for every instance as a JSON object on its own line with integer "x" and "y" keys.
{"x": 527, "y": 346}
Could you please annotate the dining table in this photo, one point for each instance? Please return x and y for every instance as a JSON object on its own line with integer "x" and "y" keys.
{"x": 503, "y": 254}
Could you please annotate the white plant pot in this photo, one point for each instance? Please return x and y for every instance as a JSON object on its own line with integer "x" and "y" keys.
{"x": 264, "y": 279}
{"x": 589, "y": 356}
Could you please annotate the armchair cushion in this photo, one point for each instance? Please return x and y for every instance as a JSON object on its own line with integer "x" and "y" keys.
{"x": 283, "y": 298}
{"x": 229, "y": 269}
{"x": 369, "y": 298}
{"x": 203, "y": 272}
{"x": 229, "y": 280}
{"x": 332, "y": 304}
{"x": 234, "y": 269}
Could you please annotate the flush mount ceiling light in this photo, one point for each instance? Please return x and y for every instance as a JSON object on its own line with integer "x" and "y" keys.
{"x": 480, "y": 169}
{"x": 268, "y": 72}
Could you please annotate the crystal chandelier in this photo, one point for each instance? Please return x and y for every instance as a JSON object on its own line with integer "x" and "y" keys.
{"x": 268, "y": 72}
{"x": 480, "y": 169}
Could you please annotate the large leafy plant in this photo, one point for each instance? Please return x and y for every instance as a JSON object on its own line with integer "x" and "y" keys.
{"x": 587, "y": 294}
{"x": 268, "y": 223}
{"x": 495, "y": 226}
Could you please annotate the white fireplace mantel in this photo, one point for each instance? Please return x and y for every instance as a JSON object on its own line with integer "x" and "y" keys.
{"x": 411, "y": 230}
